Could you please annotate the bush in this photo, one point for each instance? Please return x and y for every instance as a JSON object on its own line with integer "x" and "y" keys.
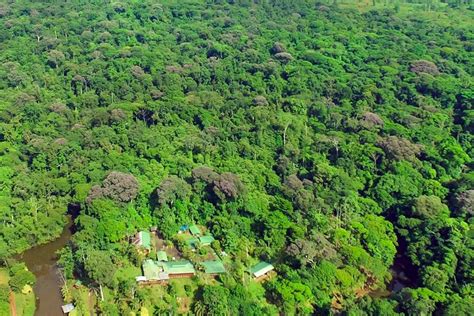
{"x": 20, "y": 276}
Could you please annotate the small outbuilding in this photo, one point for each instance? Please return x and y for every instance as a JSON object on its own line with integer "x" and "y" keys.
{"x": 261, "y": 269}
{"x": 206, "y": 240}
{"x": 143, "y": 239}
{"x": 161, "y": 256}
{"x": 67, "y": 308}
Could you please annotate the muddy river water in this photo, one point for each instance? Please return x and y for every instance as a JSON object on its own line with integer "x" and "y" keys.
{"x": 41, "y": 260}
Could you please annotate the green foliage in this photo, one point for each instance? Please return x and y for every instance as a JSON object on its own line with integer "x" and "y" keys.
{"x": 99, "y": 267}
{"x": 295, "y": 298}
{"x": 20, "y": 276}
{"x": 4, "y": 293}
{"x": 325, "y": 138}
{"x": 215, "y": 300}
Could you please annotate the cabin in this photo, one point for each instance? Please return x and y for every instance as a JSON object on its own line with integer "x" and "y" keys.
{"x": 261, "y": 269}
{"x": 179, "y": 269}
{"x": 213, "y": 267}
{"x": 143, "y": 239}
{"x": 153, "y": 272}
{"x": 202, "y": 240}
{"x": 206, "y": 240}
{"x": 161, "y": 271}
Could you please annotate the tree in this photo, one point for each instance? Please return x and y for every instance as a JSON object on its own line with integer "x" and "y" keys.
{"x": 419, "y": 301}
{"x": 228, "y": 186}
{"x": 117, "y": 186}
{"x": 55, "y": 58}
{"x": 429, "y": 208}
{"x": 295, "y": 297}
{"x": 20, "y": 276}
{"x": 311, "y": 251}
{"x": 465, "y": 202}
{"x": 424, "y": 66}
{"x": 172, "y": 189}
{"x": 214, "y": 301}
{"x": 99, "y": 267}
{"x": 302, "y": 133}
{"x": 399, "y": 148}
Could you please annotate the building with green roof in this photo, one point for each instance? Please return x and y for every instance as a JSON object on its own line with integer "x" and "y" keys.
{"x": 206, "y": 240}
{"x": 161, "y": 256}
{"x": 181, "y": 268}
{"x": 213, "y": 267}
{"x": 144, "y": 239}
{"x": 195, "y": 230}
{"x": 203, "y": 241}
{"x": 152, "y": 271}
{"x": 261, "y": 268}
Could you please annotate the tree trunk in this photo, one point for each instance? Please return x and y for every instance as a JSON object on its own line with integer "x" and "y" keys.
{"x": 101, "y": 292}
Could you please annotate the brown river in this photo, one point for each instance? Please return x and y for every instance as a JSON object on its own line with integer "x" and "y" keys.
{"x": 41, "y": 260}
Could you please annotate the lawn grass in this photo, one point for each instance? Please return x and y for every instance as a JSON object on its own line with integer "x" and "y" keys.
{"x": 25, "y": 304}
{"x": 179, "y": 285}
{"x": 184, "y": 298}
{"x": 4, "y": 276}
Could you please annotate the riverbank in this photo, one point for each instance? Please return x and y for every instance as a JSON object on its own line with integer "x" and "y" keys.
{"x": 19, "y": 304}
{"x": 41, "y": 261}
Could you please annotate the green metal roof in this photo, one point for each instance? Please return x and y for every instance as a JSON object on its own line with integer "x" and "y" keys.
{"x": 178, "y": 267}
{"x": 150, "y": 270}
{"x": 145, "y": 239}
{"x": 261, "y": 268}
{"x": 194, "y": 230}
{"x": 213, "y": 267}
{"x": 161, "y": 256}
{"x": 206, "y": 240}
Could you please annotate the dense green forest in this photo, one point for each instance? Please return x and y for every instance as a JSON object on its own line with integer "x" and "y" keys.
{"x": 330, "y": 139}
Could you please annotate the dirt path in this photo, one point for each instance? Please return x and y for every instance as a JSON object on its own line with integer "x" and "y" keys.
{"x": 91, "y": 302}
{"x": 12, "y": 304}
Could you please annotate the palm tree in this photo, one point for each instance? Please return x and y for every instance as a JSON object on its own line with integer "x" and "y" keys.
{"x": 199, "y": 308}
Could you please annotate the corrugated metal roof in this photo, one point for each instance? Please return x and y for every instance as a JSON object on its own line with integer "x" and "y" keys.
{"x": 194, "y": 230}
{"x": 179, "y": 267}
{"x": 67, "y": 308}
{"x": 151, "y": 270}
{"x": 145, "y": 239}
{"x": 206, "y": 240}
{"x": 161, "y": 256}
{"x": 261, "y": 268}
{"x": 213, "y": 267}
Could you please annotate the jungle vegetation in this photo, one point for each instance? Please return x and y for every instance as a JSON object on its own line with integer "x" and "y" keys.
{"x": 329, "y": 138}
